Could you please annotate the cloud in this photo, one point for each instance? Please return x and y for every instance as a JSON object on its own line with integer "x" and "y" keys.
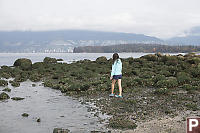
{"x": 151, "y": 17}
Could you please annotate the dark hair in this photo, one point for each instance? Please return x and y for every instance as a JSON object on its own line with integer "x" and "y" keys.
{"x": 115, "y": 57}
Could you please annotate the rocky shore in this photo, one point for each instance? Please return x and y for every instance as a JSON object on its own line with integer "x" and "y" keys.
{"x": 155, "y": 86}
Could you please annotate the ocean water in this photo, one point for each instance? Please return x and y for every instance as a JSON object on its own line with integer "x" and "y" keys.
{"x": 9, "y": 58}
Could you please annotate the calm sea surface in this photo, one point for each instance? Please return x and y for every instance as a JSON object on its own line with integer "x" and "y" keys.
{"x": 9, "y": 58}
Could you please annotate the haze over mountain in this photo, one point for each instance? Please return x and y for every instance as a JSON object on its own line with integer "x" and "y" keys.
{"x": 192, "y": 37}
{"x": 64, "y": 35}
{"x": 65, "y": 40}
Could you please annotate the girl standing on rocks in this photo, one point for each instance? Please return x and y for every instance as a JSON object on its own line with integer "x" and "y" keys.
{"x": 116, "y": 75}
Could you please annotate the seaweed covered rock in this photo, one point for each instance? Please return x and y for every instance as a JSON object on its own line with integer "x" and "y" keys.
{"x": 190, "y": 54}
{"x": 38, "y": 65}
{"x": 16, "y": 72}
{"x": 23, "y": 76}
{"x": 59, "y": 59}
{"x": 169, "y": 82}
{"x": 150, "y": 57}
{"x": 23, "y": 63}
{"x": 64, "y": 81}
{"x": 158, "y": 77}
{"x": 60, "y": 130}
{"x": 49, "y": 60}
{"x": 5, "y": 67}
{"x": 35, "y": 77}
{"x": 3, "y": 83}
{"x": 192, "y": 106}
{"x": 15, "y": 84}
{"x": 25, "y": 115}
{"x": 7, "y": 89}
{"x": 78, "y": 87}
{"x": 48, "y": 83}
{"x": 5, "y": 75}
{"x": 56, "y": 86}
{"x": 5, "y": 72}
{"x": 130, "y": 60}
{"x": 63, "y": 88}
{"x": 183, "y": 78}
{"x": 161, "y": 91}
{"x": 194, "y": 60}
{"x": 17, "y": 98}
{"x": 159, "y": 54}
{"x": 147, "y": 74}
{"x": 4, "y": 96}
{"x": 33, "y": 85}
{"x": 194, "y": 71}
{"x": 172, "y": 60}
{"x": 189, "y": 87}
{"x": 38, "y": 120}
{"x": 74, "y": 87}
{"x": 101, "y": 60}
{"x": 121, "y": 123}
{"x": 19, "y": 79}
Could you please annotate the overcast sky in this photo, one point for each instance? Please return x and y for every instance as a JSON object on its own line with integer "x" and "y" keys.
{"x": 160, "y": 18}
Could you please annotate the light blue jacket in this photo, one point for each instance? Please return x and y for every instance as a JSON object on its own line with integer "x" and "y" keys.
{"x": 116, "y": 68}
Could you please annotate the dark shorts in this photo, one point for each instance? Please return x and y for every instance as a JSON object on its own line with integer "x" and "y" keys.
{"x": 116, "y": 77}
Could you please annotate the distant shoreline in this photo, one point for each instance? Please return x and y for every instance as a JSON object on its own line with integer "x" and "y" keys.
{"x": 139, "y": 47}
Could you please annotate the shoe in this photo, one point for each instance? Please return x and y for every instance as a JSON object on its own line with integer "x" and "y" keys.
{"x": 111, "y": 95}
{"x": 118, "y": 96}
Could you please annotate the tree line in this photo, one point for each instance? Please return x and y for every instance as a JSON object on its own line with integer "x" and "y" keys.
{"x": 146, "y": 48}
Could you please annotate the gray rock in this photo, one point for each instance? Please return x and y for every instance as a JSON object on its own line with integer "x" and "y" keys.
{"x": 38, "y": 120}
{"x": 25, "y": 115}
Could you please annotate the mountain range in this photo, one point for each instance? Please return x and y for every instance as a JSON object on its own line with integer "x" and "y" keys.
{"x": 39, "y": 36}
{"x": 66, "y": 40}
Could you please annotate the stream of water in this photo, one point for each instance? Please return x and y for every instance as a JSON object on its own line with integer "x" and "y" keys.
{"x": 53, "y": 108}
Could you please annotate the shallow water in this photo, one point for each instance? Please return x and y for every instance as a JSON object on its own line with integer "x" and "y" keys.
{"x": 53, "y": 108}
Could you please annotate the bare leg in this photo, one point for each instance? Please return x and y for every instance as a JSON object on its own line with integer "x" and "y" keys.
{"x": 120, "y": 87}
{"x": 113, "y": 85}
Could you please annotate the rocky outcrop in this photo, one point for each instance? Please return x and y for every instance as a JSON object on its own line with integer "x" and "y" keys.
{"x": 60, "y": 130}
{"x": 7, "y": 89}
{"x": 23, "y": 63}
{"x": 101, "y": 60}
{"x": 25, "y": 115}
{"x": 3, "y": 83}
{"x": 17, "y": 98}
{"x": 49, "y": 60}
{"x": 4, "y": 96}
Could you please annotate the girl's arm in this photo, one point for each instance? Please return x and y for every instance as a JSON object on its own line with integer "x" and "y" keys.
{"x": 113, "y": 70}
